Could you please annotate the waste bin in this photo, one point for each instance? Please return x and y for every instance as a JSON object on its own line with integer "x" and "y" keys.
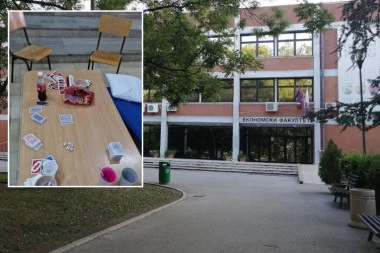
{"x": 164, "y": 172}
{"x": 361, "y": 201}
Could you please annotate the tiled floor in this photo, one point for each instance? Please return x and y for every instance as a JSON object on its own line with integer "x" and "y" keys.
{"x": 15, "y": 100}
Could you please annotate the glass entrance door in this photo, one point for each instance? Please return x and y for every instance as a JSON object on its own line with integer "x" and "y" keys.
{"x": 282, "y": 145}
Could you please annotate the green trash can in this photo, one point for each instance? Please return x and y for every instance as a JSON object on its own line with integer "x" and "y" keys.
{"x": 164, "y": 172}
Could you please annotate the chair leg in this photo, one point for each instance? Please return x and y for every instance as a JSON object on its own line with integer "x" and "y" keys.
{"x": 13, "y": 66}
{"x": 370, "y": 236}
{"x": 89, "y": 62}
{"x": 31, "y": 65}
{"x": 341, "y": 201}
{"x": 48, "y": 59}
{"x": 118, "y": 67}
{"x": 336, "y": 196}
{"x": 92, "y": 67}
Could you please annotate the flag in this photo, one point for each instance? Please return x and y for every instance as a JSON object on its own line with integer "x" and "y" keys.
{"x": 305, "y": 104}
{"x": 298, "y": 95}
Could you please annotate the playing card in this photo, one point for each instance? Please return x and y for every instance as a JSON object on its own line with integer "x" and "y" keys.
{"x": 53, "y": 86}
{"x": 50, "y": 157}
{"x": 31, "y": 139}
{"x": 66, "y": 119}
{"x": 38, "y": 118}
{"x": 116, "y": 148}
{"x": 36, "y": 109}
{"x": 36, "y": 166}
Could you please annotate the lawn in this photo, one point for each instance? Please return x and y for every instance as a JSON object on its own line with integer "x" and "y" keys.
{"x": 40, "y": 220}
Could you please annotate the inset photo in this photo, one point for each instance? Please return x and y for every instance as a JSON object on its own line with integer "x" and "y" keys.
{"x": 75, "y": 102}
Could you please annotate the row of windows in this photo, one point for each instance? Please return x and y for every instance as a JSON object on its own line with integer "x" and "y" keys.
{"x": 263, "y": 90}
{"x": 289, "y": 44}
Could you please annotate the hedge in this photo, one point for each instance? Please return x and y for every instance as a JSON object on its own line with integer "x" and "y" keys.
{"x": 367, "y": 167}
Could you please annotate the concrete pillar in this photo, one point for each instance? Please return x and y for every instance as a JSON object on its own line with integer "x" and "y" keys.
{"x": 164, "y": 128}
{"x": 236, "y": 104}
{"x": 317, "y": 94}
{"x": 361, "y": 201}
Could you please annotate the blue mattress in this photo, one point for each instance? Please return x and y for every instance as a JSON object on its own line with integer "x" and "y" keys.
{"x": 130, "y": 112}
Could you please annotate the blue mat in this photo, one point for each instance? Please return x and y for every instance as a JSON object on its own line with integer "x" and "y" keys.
{"x": 130, "y": 112}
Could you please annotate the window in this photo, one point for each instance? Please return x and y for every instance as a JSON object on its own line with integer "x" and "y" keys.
{"x": 295, "y": 44}
{"x": 253, "y": 90}
{"x": 287, "y": 89}
{"x": 258, "y": 47}
{"x": 226, "y": 93}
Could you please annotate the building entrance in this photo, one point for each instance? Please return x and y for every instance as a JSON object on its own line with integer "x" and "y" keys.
{"x": 281, "y": 145}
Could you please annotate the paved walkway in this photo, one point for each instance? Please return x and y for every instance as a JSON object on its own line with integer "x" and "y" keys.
{"x": 233, "y": 212}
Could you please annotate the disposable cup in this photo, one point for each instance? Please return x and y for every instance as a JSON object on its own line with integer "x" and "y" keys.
{"x": 107, "y": 176}
{"x": 49, "y": 168}
{"x": 128, "y": 177}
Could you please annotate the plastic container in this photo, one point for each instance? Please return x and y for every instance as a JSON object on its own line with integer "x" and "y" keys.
{"x": 128, "y": 177}
{"x": 41, "y": 87}
{"x": 107, "y": 176}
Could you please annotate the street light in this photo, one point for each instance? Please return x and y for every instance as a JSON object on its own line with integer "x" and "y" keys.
{"x": 360, "y": 55}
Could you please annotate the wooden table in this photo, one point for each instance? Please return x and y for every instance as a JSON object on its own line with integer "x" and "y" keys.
{"x": 94, "y": 127}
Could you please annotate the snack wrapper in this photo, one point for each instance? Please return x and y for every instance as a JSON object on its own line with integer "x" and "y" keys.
{"x": 78, "y": 96}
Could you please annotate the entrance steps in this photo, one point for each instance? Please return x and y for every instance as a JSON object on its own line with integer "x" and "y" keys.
{"x": 227, "y": 166}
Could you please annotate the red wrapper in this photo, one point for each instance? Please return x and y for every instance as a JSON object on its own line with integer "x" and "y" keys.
{"x": 78, "y": 96}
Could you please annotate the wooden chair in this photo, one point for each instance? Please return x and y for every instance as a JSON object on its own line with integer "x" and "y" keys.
{"x": 32, "y": 53}
{"x": 115, "y": 26}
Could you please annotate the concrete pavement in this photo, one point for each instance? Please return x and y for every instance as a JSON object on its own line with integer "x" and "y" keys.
{"x": 233, "y": 212}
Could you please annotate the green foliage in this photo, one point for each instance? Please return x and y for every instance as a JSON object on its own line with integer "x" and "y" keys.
{"x": 112, "y": 4}
{"x": 329, "y": 166}
{"x": 275, "y": 22}
{"x": 242, "y": 156}
{"x": 315, "y": 17}
{"x": 177, "y": 58}
{"x": 349, "y": 115}
{"x": 367, "y": 167}
{"x": 170, "y": 151}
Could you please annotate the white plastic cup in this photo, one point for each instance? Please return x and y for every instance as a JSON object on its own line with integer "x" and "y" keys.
{"x": 49, "y": 168}
{"x": 128, "y": 177}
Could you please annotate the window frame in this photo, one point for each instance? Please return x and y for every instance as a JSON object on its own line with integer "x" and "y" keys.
{"x": 311, "y": 98}
{"x": 294, "y": 41}
{"x": 257, "y": 89}
{"x": 256, "y": 43}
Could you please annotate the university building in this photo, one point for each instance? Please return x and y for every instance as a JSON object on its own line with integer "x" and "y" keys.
{"x": 260, "y": 113}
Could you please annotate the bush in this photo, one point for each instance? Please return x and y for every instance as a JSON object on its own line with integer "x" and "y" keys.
{"x": 329, "y": 166}
{"x": 367, "y": 167}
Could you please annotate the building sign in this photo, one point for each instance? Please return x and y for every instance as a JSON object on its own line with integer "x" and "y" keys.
{"x": 348, "y": 73}
{"x": 275, "y": 120}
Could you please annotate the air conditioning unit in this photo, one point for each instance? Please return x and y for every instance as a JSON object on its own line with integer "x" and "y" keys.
{"x": 329, "y": 105}
{"x": 271, "y": 106}
{"x": 143, "y": 107}
{"x": 152, "y": 108}
{"x": 171, "y": 108}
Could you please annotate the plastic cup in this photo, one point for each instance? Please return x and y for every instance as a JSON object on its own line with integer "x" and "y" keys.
{"x": 107, "y": 176}
{"x": 128, "y": 177}
{"x": 49, "y": 168}
{"x": 46, "y": 181}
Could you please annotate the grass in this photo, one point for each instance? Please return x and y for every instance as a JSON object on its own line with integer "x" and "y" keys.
{"x": 41, "y": 220}
{"x": 3, "y": 178}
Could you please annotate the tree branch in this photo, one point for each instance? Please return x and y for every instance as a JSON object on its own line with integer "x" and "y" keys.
{"x": 42, "y": 3}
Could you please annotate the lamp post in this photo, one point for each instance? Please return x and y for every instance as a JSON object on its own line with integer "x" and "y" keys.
{"x": 360, "y": 55}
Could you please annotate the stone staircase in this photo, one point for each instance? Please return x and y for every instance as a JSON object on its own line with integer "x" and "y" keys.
{"x": 227, "y": 166}
{"x": 74, "y": 35}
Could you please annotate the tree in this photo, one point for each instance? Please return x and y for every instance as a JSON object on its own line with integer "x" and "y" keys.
{"x": 329, "y": 166}
{"x": 363, "y": 26}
